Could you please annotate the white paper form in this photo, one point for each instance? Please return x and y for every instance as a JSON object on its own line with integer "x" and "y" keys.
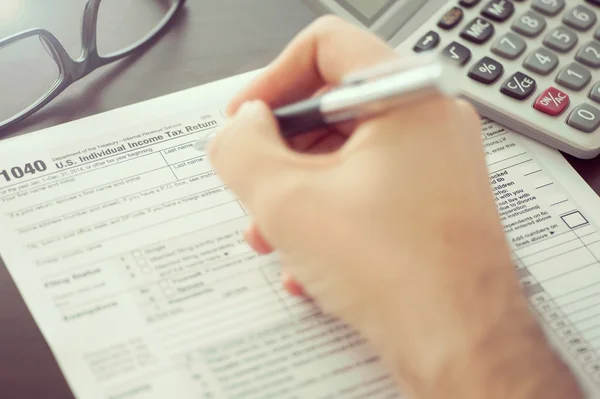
{"x": 128, "y": 251}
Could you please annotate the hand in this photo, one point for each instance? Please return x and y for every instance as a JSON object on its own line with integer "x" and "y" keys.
{"x": 389, "y": 224}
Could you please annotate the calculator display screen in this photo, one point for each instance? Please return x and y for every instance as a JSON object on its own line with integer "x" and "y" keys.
{"x": 368, "y": 11}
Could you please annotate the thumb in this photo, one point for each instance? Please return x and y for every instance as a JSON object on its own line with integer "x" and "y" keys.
{"x": 251, "y": 157}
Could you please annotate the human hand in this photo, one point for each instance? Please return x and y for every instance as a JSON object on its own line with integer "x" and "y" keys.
{"x": 390, "y": 224}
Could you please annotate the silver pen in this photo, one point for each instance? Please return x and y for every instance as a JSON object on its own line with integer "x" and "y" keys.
{"x": 367, "y": 93}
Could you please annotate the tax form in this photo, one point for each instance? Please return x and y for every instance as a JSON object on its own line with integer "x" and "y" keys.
{"x": 128, "y": 251}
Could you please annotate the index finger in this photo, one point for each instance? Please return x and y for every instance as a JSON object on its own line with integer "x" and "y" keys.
{"x": 321, "y": 55}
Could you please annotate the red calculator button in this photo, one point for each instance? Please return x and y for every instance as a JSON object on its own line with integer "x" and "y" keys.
{"x": 552, "y": 102}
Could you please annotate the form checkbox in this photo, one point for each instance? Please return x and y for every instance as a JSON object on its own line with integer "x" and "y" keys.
{"x": 574, "y": 219}
{"x": 146, "y": 270}
{"x": 164, "y": 284}
{"x": 137, "y": 254}
{"x": 168, "y": 292}
{"x": 141, "y": 262}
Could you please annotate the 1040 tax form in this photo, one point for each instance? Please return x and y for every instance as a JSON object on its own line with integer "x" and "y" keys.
{"x": 128, "y": 251}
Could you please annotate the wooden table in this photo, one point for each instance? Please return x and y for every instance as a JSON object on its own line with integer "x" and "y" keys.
{"x": 212, "y": 39}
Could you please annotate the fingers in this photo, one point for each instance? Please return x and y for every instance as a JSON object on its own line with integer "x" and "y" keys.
{"x": 320, "y": 55}
{"x": 249, "y": 154}
{"x": 256, "y": 240}
{"x": 293, "y": 287}
{"x": 327, "y": 144}
{"x": 470, "y": 116}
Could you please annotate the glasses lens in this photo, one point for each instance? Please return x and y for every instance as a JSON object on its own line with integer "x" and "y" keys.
{"x": 27, "y": 72}
{"x": 124, "y": 23}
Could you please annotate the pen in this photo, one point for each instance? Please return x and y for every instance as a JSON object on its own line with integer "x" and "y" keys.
{"x": 366, "y": 93}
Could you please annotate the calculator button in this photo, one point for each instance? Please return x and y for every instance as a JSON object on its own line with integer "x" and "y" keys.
{"x": 595, "y": 93}
{"x": 486, "y": 71}
{"x": 541, "y": 61}
{"x": 574, "y": 77}
{"x": 561, "y": 39}
{"x": 552, "y": 102}
{"x": 594, "y": 2}
{"x": 585, "y": 118}
{"x": 468, "y": 3}
{"x": 478, "y": 31}
{"x": 498, "y": 10}
{"x": 589, "y": 54}
{"x": 548, "y": 7}
{"x": 580, "y": 18}
{"x": 519, "y": 86}
{"x": 451, "y": 18}
{"x": 529, "y": 24}
{"x": 457, "y": 53}
{"x": 429, "y": 41}
{"x": 509, "y": 46}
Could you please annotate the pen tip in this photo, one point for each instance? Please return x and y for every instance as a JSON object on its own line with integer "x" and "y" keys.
{"x": 202, "y": 143}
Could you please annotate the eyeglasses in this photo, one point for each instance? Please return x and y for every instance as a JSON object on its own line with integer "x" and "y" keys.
{"x": 35, "y": 68}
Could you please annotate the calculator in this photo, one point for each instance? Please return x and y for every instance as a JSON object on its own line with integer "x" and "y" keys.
{"x": 382, "y": 17}
{"x": 530, "y": 65}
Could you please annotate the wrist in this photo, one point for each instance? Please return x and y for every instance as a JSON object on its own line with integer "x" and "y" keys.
{"x": 514, "y": 360}
{"x": 477, "y": 339}
{"x": 509, "y": 358}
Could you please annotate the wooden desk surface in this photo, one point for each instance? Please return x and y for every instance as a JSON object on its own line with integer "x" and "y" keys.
{"x": 213, "y": 39}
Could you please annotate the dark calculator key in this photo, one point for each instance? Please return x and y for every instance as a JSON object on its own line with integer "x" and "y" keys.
{"x": 486, "y": 71}
{"x": 509, "y": 46}
{"x": 542, "y": 61}
{"x": 585, "y": 118}
{"x": 552, "y": 102}
{"x": 580, "y": 18}
{"x": 548, "y": 7}
{"x": 478, "y": 31}
{"x": 574, "y": 77}
{"x": 589, "y": 54}
{"x": 594, "y": 2}
{"x": 529, "y": 24}
{"x": 451, "y": 18}
{"x": 498, "y": 10}
{"x": 429, "y": 41}
{"x": 561, "y": 39}
{"x": 595, "y": 93}
{"x": 468, "y": 3}
{"x": 457, "y": 53}
{"x": 519, "y": 86}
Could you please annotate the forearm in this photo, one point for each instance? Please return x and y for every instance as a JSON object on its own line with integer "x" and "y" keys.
{"x": 511, "y": 360}
{"x": 515, "y": 362}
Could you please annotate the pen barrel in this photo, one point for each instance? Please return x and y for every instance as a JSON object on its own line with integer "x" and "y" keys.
{"x": 300, "y": 118}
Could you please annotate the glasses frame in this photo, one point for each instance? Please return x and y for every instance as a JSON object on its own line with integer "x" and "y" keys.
{"x": 72, "y": 70}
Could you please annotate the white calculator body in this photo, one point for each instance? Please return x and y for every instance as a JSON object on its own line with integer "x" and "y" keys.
{"x": 531, "y": 65}
{"x": 383, "y": 17}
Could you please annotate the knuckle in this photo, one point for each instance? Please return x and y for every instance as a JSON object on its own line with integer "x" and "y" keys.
{"x": 329, "y": 22}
